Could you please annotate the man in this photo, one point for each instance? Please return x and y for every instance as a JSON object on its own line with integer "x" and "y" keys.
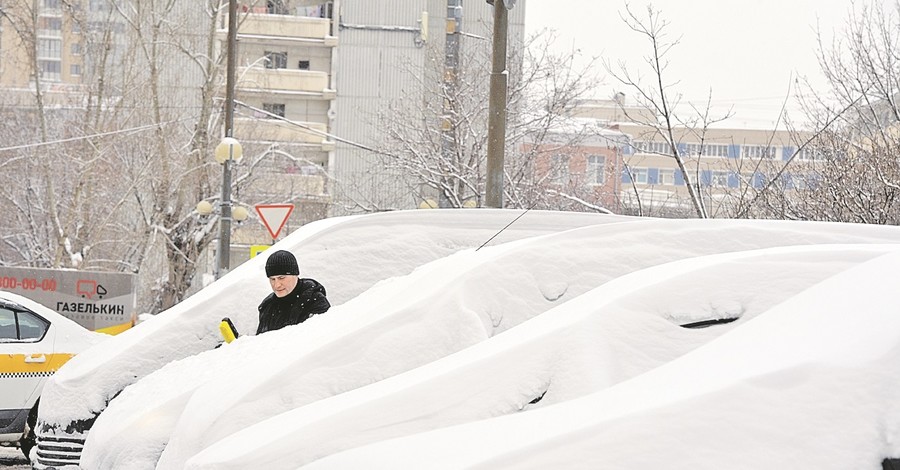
{"x": 293, "y": 299}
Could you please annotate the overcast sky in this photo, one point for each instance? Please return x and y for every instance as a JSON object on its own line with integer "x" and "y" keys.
{"x": 747, "y": 53}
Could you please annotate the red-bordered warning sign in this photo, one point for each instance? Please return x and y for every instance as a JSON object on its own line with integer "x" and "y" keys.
{"x": 274, "y": 215}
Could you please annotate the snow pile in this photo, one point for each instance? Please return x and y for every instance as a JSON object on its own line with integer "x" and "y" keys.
{"x": 405, "y": 323}
{"x": 810, "y": 383}
{"x": 610, "y": 334}
{"x": 347, "y": 254}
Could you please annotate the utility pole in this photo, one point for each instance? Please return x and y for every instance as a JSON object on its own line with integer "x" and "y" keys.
{"x": 497, "y": 106}
{"x": 224, "y": 255}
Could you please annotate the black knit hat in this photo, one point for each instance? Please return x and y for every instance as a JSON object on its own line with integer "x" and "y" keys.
{"x": 280, "y": 263}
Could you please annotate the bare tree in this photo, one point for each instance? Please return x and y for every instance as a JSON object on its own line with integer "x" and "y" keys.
{"x": 436, "y": 138}
{"x": 110, "y": 181}
{"x": 849, "y": 170}
{"x": 659, "y": 102}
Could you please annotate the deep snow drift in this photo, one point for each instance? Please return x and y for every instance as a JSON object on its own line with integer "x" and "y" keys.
{"x": 481, "y": 305}
{"x": 347, "y": 254}
{"x": 810, "y": 383}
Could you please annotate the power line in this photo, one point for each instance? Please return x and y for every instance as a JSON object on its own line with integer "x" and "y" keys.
{"x": 91, "y": 136}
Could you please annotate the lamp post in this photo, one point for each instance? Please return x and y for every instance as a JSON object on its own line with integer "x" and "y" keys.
{"x": 229, "y": 149}
{"x": 238, "y": 214}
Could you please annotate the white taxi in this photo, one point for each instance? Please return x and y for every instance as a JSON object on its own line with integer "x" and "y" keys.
{"x": 34, "y": 343}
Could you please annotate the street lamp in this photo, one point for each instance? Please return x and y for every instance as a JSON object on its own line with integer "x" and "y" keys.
{"x": 239, "y": 213}
{"x": 229, "y": 150}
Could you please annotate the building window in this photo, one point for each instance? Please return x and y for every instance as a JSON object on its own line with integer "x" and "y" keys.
{"x": 809, "y": 154}
{"x": 274, "y": 108}
{"x": 658, "y": 148}
{"x": 719, "y": 179}
{"x": 76, "y": 48}
{"x": 303, "y": 65}
{"x": 48, "y": 26}
{"x": 276, "y": 60}
{"x": 707, "y": 150}
{"x": 666, "y": 177}
{"x": 98, "y": 5}
{"x": 75, "y": 69}
{"x": 50, "y": 69}
{"x": 638, "y": 175}
{"x": 276, "y": 7}
{"x": 596, "y": 169}
{"x": 757, "y": 151}
{"x": 49, "y": 48}
{"x": 559, "y": 169}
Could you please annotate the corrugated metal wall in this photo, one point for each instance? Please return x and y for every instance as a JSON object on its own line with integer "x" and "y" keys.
{"x": 376, "y": 67}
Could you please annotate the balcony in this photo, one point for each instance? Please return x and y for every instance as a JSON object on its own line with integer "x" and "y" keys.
{"x": 284, "y": 81}
{"x": 273, "y": 130}
{"x": 286, "y": 27}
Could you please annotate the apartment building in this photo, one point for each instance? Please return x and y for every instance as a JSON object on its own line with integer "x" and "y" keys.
{"x": 727, "y": 164}
{"x": 314, "y": 78}
{"x": 585, "y": 168}
{"x": 59, "y": 53}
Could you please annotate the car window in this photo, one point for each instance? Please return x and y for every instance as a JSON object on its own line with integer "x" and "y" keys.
{"x": 31, "y": 326}
{"x": 8, "y": 325}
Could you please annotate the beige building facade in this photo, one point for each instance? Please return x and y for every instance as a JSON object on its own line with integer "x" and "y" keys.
{"x": 726, "y": 164}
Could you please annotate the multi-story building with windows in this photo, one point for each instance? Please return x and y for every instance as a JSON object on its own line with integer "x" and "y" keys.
{"x": 726, "y": 164}
{"x": 586, "y": 170}
{"x": 314, "y": 79}
{"x": 58, "y": 52}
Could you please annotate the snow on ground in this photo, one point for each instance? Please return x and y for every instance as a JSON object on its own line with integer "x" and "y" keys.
{"x": 11, "y": 458}
{"x": 809, "y": 383}
{"x": 456, "y": 302}
{"x": 347, "y": 254}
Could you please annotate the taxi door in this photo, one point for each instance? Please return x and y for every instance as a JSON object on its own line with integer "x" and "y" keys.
{"x": 26, "y": 360}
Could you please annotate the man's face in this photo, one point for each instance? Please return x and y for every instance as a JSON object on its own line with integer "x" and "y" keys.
{"x": 283, "y": 284}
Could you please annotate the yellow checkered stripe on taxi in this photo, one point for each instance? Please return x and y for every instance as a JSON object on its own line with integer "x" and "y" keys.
{"x": 20, "y": 366}
{"x": 25, "y": 375}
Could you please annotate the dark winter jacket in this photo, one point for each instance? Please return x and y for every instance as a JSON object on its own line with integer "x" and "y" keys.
{"x": 306, "y": 300}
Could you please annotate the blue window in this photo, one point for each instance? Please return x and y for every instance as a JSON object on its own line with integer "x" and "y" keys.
{"x": 734, "y": 180}
{"x": 759, "y": 180}
{"x": 788, "y": 181}
{"x": 787, "y": 152}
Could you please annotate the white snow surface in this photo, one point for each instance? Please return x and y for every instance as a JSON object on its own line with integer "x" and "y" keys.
{"x": 346, "y": 254}
{"x": 810, "y": 383}
{"x": 561, "y": 349}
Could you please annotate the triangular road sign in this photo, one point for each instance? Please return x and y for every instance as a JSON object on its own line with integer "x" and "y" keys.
{"x": 274, "y": 215}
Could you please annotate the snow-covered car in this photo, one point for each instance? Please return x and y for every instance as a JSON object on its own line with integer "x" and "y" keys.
{"x": 622, "y": 330}
{"x": 448, "y": 308}
{"x": 347, "y": 254}
{"x": 34, "y": 343}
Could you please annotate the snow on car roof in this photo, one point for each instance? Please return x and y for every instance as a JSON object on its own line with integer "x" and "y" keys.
{"x": 405, "y": 322}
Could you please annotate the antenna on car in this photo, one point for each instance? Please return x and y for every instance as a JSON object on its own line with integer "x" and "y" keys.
{"x": 504, "y": 228}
